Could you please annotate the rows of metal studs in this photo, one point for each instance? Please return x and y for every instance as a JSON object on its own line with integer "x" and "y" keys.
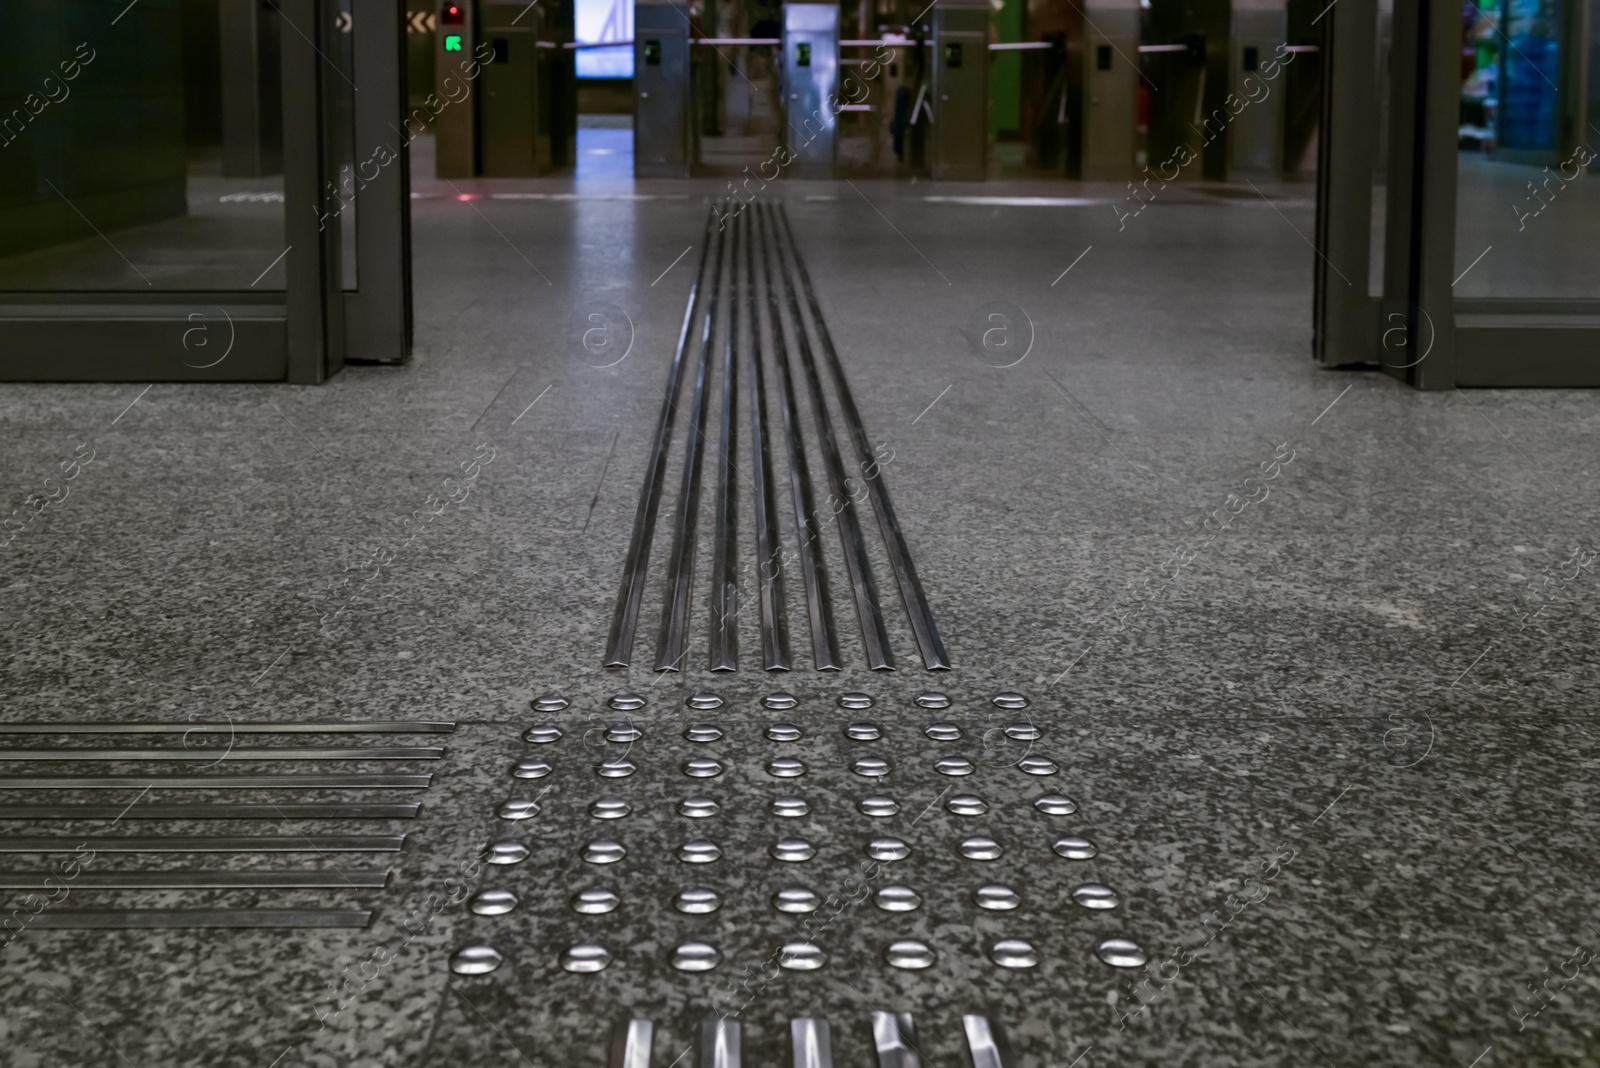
{"x": 696, "y": 900}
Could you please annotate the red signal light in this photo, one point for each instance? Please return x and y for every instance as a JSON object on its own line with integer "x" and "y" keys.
{"x": 453, "y": 15}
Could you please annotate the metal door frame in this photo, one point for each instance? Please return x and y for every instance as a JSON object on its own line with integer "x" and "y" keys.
{"x": 298, "y": 334}
{"x": 1447, "y": 341}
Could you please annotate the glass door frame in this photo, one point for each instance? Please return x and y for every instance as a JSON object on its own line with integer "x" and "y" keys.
{"x": 1418, "y": 331}
{"x": 304, "y": 332}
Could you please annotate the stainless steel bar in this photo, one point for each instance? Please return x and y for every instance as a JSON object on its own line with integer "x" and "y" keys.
{"x": 376, "y": 752}
{"x": 630, "y": 1044}
{"x": 673, "y": 638}
{"x": 810, "y": 1043}
{"x": 625, "y": 618}
{"x": 895, "y": 1040}
{"x": 337, "y": 811}
{"x": 724, "y": 619}
{"x": 874, "y": 635}
{"x": 813, "y": 570}
{"x": 769, "y": 576}
{"x": 180, "y": 919}
{"x": 382, "y": 726}
{"x": 934, "y": 656}
{"x": 981, "y": 1042}
{"x": 331, "y": 879}
{"x": 260, "y": 843}
{"x": 719, "y": 1044}
{"x": 216, "y": 782}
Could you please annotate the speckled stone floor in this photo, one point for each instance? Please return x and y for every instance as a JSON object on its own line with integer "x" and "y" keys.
{"x": 1337, "y": 768}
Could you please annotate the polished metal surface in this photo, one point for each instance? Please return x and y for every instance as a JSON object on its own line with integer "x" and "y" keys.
{"x": 724, "y": 601}
{"x": 1095, "y": 896}
{"x": 954, "y": 766}
{"x": 216, "y": 782}
{"x": 609, "y": 808}
{"x": 1010, "y": 699}
{"x": 982, "y": 1045}
{"x": 475, "y": 960}
{"x": 855, "y": 700}
{"x": 630, "y": 1044}
{"x": 695, "y": 957}
{"x": 615, "y": 768}
{"x": 1074, "y": 848}
{"x": 888, "y": 849}
{"x": 549, "y": 702}
{"x": 405, "y": 810}
{"x": 702, "y": 767}
{"x": 699, "y": 851}
{"x": 697, "y": 901}
{"x": 625, "y": 617}
{"x": 377, "y": 726}
{"x": 1038, "y": 765}
{"x": 980, "y": 847}
{"x": 506, "y": 851}
{"x": 793, "y": 850}
{"x": 813, "y": 571}
{"x": 531, "y": 768}
{"x": 698, "y": 808}
{"x": 719, "y": 1044}
{"x": 780, "y": 701}
{"x": 492, "y": 902}
{"x": 518, "y": 808}
{"x": 626, "y": 701}
{"x": 1055, "y": 805}
{"x": 594, "y": 901}
{"x": 784, "y": 732}
{"x": 604, "y": 851}
{"x": 996, "y": 898}
{"x": 894, "y": 1037}
{"x": 181, "y": 919}
{"x": 909, "y": 954}
{"x": 623, "y": 733}
{"x": 958, "y": 147}
{"x": 1121, "y": 953}
{"x": 543, "y": 734}
{"x": 934, "y": 700}
{"x": 870, "y": 767}
{"x": 967, "y": 805}
{"x": 897, "y": 899}
{"x": 801, "y": 957}
{"x": 585, "y": 958}
{"x": 943, "y": 732}
{"x": 790, "y": 807}
{"x": 796, "y": 899}
{"x": 673, "y": 634}
{"x": 785, "y": 767}
{"x": 665, "y": 135}
{"x": 878, "y": 806}
{"x": 810, "y": 1043}
{"x": 810, "y": 80}
{"x": 326, "y": 879}
{"x": 923, "y": 626}
{"x": 1014, "y": 953}
{"x": 863, "y": 732}
{"x": 775, "y": 654}
{"x": 203, "y": 756}
{"x": 703, "y": 732}
{"x": 347, "y": 843}
{"x": 703, "y": 701}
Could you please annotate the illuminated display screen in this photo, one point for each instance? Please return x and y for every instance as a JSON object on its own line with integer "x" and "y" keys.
{"x": 600, "y": 21}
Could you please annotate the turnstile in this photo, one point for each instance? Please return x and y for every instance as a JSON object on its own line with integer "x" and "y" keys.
{"x": 1103, "y": 93}
{"x": 810, "y": 74}
{"x": 959, "y": 146}
{"x": 506, "y": 89}
{"x": 252, "y": 95}
{"x": 1256, "y": 141}
{"x": 666, "y": 141}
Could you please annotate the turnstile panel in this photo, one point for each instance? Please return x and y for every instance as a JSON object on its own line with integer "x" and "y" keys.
{"x": 664, "y": 141}
{"x": 810, "y": 87}
{"x": 960, "y": 91}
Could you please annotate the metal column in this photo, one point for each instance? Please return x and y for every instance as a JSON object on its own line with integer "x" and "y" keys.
{"x": 1260, "y": 30}
{"x": 960, "y": 147}
{"x": 811, "y": 88}
{"x": 1110, "y": 90}
{"x": 666, "y": 142}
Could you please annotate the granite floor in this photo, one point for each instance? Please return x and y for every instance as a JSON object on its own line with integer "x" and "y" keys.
{"x": 1336, "y": 766}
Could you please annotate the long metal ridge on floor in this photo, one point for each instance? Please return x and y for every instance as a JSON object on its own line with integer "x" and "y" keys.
{"x": 381, "y": 726}
{"x": 934, "y": 656}
{"x": 286, "y": 753}
{"x": 328, "y": 879}
{"x": 874, "y": 635}
{"x": 673, "y": 636}
{"x": 260, "y": 843}
{"x": 403, "y": 810}
{"x": 813, "y": 569}
{"x": 625, "y": 620}
{"x": 775, "y": 654}
{"x": 178, "y": 919}
{"x": 216, "y": 782}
